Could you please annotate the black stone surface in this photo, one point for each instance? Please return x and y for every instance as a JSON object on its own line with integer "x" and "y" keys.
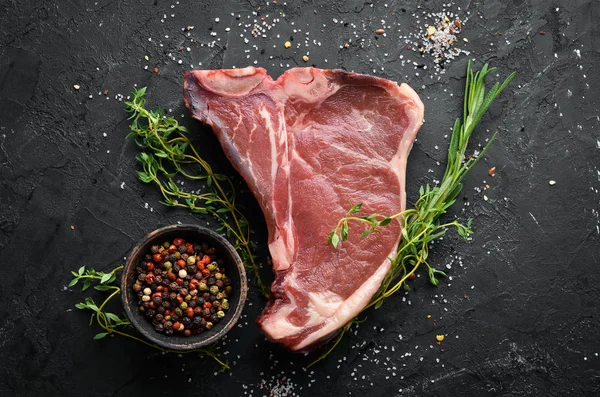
{"x": 521, "y": 313}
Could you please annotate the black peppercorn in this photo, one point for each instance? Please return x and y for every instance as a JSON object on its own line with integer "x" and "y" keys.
{"x": 142, "y": 277}
{"x": 192, "y": 303}
{"x": 197, "y": 321}
{"x": 176, "y": 268}
{"x": 159, "y": 327}
{"x": 219, "y": 283}
{"x": 191, "y": 269}
{"x": 186, "y": 321}
{"x": 181, "y": 248}
{"x": 200, "y": 301}
{"x": 148, "y": 257}
{"x": 157, "y": 300}
{"x": 154, "y": 249}
{"x": 172, "y": 258}
{"x": 211, "y": 280}
{"x": 174, "y": 317}
{"x": 206, "y": 312}
{"x": 160, "y": 309}
{"x": 214, "y": 318}
{"x": 212, "y": 298}
{"x": 166, "y": 304}
{"x": 150, "y": 313}
{"x": 168, "y": 324}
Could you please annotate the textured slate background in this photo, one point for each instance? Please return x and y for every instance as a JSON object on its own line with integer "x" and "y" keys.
{"x": 520, "y": 314}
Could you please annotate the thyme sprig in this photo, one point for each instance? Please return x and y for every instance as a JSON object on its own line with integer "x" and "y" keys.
{"x": 420, "y": 225}
{"x": 112, "y": 323}
{"x": 168, "y": 154}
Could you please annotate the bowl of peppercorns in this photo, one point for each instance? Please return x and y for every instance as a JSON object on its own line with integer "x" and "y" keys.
{"x": 183, "y": 287}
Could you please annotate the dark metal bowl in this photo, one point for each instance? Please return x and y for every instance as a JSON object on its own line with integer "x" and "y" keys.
{"x": 234, "y": 268}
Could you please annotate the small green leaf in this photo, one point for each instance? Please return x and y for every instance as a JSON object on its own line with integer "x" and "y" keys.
{"x": 103, "y": 287}
{"x": 92, "y": 318}
{"x": 131, "y": 135}
{"x": 433, "y": 280}
{"x": 112, "y": 278}
{"x": 113, "y": 317}
{"x": 355, "y": 209}
{"x": 86, "y": 284}
{"x": 73, "y": 282}
{"x": 421, "y": 191}
{"x": 81, "y": 305}
{"x": 378, "y": 304}
{"x": 365, "y": 233}
{"x": 385, "y": 222}
{"x": 161, "y": 154}
{"x": 105, "y": 278}
{"x": 345, "y": 230}
{"x": 100, "y": 335}
{"x": 81, "y": 270}
{"x": 335, "y": 239}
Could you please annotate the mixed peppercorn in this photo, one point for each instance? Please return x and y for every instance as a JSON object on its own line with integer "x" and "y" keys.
{"x": 182, "y": 287}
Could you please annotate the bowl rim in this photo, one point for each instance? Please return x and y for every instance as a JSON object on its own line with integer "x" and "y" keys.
{"x": 144, "y": 327}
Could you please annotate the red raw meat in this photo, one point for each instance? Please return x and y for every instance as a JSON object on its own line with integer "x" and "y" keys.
{"x": 311, "y": 144}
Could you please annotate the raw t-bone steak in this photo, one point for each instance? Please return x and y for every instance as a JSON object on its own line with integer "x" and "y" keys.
{"x": 311, "y": 144}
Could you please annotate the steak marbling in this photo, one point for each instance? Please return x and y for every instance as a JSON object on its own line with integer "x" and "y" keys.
{"x": 311, "y": 144}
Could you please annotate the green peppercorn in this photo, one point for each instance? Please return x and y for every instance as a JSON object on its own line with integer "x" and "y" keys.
{"x": 214, "y": 290}
{"x": 168, "y": 265}
{"x": 202, "y": 286}
{"x": 220, "y": 314}
{"x": 224, "y": 304}
{"x": 178, "y": 311}
{"x": 167, "y": 318}
{"x": 166, "y": 244}
{"x": 183, "y": 306}
{"x": 177, "y": 254}
{"x": 218, "y": 276}
{"x": 191, "y": 260}
{"x": 212, "y": 266}
{"x": 161, "y": 249}
{"x": 220, "y": 295}
{"x": 188, "y": 298}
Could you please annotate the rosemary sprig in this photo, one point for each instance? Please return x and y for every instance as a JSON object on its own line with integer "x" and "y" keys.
{"x": 169, "y": 153}
{"x": 421, "y": 225}
{"x": 112, "y": 323}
